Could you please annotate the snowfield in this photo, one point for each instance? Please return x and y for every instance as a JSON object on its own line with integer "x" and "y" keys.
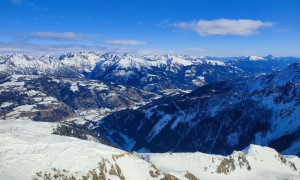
{"x": 28, "y": 150}
{"x": 263, "y": 162}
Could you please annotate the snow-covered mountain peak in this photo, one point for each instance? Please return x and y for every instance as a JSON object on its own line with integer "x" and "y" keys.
{"x": 18, "y": 60}
{"x": 254, "y": 149}
{"x": 126, "y": 61}
{"x": 49, "y": 60}
{"x": 125, "y": 55}
{"x": 270, "y": 57}
{"x": 116, "y": 58}
{"x": 131, "y": 62}
{"x": 107, "y": 56}
{"x": 215, "y": 62}
{"x": 78, "y": 55}
{"x": 18, "y": 57}
{"x": 173, "y": 62}
{"x": 181, "y": 60}
{"x": 256, "y": 58}
{"x": 47, "y": 57}
{"x": 83, "y": 61}
{"x": 27, "y": 65}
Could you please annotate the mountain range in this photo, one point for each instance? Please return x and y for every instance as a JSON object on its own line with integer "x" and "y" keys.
{"x": 161, "y": 74}
{"x": 149, "y": 117}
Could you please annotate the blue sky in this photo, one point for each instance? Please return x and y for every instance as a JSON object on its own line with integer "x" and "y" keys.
{"x": 212, "y": 27}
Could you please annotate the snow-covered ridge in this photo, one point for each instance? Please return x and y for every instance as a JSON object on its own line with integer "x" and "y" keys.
{"x": 127, "y": 61}
{"x": 27, "y": 65}
{"x": 29, "y": 150}
{"x": 256, "y": 58}
{"x": 254, "y": 163}
{"x": 115, "y": 66}
{"x": 86, "y": 62}
{"x": 215, "y": 62}
{"x": 89, "y": 59}
{"x": 83, "y": 61}
{"x": 154, "y": 73}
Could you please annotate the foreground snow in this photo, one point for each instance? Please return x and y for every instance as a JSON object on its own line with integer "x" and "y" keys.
{"x": 29, "y": 150}
{"x": 255, "y": 163}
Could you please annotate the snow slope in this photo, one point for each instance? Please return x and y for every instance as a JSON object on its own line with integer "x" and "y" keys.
{"x": 28, "y": 150}
{"x": 254, "y": 163}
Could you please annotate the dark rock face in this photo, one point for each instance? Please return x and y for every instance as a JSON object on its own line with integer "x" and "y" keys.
{"x": 183, "y": 126}
{"x": 285, "y": 141}
{"x": 216, "y": 118}
{"x": 81, "y": 132}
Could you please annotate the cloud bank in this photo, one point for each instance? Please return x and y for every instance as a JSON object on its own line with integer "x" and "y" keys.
{"x": 47, "y": 49}
{"x": 240, "y": 27}
{"x": 43, "y": 49}
{"x": 69, "y": 36}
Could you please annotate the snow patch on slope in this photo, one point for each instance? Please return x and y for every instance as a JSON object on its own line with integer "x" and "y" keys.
{"x": 160, "y": 125}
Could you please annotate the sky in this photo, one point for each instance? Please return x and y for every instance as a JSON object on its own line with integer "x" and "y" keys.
{"x": 192, "y": 27}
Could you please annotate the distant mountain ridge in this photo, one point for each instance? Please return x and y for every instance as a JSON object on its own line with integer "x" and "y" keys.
{"x": 155, "y": 73}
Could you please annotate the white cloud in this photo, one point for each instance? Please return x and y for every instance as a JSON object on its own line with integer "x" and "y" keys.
{"x": 125, "y": 42}
{"x": 56, "y": 50}
{"x": 70, "y": 36}
{"x": 241, "y": 27}
{"x": 43, "y": 49}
